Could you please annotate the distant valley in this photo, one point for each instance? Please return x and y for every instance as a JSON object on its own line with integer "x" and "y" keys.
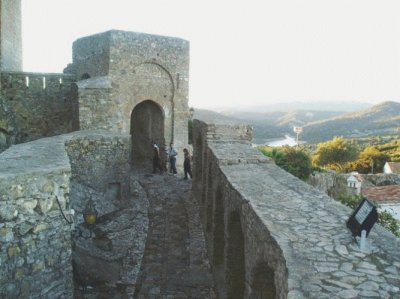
{"x": 318, "y": 125}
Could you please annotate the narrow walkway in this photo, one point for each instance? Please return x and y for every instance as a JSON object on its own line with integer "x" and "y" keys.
{"x": 175, "y": 263}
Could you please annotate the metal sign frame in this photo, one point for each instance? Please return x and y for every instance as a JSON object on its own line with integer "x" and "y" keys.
{"x": 363, "y": 218}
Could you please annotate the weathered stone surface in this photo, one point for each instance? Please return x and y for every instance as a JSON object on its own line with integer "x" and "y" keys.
{"x": 175, "y": 264}
{"x": 8, "y": 212}
{"x": 30, "y": 177}
{"x": 296, "y": 233}
{"x": 35, "y": 105}
{"x": 118, "y": 72}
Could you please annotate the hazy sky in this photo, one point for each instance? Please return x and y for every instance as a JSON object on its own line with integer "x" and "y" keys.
{"x": 242, "y": 52}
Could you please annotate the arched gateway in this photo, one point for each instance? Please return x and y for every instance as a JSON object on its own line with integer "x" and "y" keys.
{"x": 147, "y": 128}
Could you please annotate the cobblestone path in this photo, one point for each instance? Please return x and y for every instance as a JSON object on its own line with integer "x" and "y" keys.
{"x": 175, "y": 263}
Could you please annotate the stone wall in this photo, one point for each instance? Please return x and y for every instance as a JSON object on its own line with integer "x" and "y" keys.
{"x": 45, "y": 251}
{"x": 91, "y": 56}
{"x": 35, "y": 105}
{"x": 10, "y": 35}
{"x": 35, "y": 250}
{"x": 270, "y": 235}
{"x": 109, "y": 252}
{"x": 100, "y": 163}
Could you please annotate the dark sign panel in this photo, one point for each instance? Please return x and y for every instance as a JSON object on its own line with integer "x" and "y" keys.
{"x": 363, "y": 218}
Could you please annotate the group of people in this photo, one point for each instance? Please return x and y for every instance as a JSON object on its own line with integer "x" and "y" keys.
{"x": 172, "y": 153}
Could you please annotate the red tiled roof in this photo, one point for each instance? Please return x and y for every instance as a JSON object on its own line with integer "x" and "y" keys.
{"x": 394, "y": 166}
{"x": 383, "y": 194}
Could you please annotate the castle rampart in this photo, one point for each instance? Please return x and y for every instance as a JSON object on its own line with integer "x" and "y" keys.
{"x": 35, "y": 105}
{"x": 269, "y": 233}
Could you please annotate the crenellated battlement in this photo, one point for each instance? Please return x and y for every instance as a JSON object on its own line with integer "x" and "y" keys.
{"x": 35, "y": 82}
{"x": 35, "y": 105}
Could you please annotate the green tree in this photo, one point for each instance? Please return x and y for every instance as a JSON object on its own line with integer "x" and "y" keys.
{"x": 296, "y": 162}
{"x": 334, "y": 154}
{"x": 272, "y": 152}
{"x": 389, "y": 222}
{"x": 293, "y": 160}
{"x": 371, "y": 159}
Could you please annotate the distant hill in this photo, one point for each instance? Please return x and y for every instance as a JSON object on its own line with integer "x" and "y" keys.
{"x": 263, "y": 126}
{"x": 282, "y": 107}
{"x": 300, "y": 118}
{"x": 318, "y": 126}
{"x": 381, "y": 119}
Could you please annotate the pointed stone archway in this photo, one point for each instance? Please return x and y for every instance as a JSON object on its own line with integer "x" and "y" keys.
{"x": 147, "y": 127}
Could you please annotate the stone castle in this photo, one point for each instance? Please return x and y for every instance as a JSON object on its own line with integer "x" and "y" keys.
{"x": 85, "y": 136}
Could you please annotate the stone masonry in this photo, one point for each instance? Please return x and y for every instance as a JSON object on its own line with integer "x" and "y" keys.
{"x": 119, "y": 71}
{"x": 35, "y": 105}
{"x": 147, "y": 240}
{"x": 35, "y": 239}
{"x": 270, "y": 234}
{"x": 261, "y": 232}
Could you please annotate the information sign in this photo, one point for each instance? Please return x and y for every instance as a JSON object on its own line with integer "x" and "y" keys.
{"x": 363, "y": 218}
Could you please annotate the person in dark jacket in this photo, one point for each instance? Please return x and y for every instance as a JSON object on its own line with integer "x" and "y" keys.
{"x": 186, "y": 164}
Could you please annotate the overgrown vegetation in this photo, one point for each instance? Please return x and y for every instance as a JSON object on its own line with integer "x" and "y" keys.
{"x": 341, "y": 155}
{"x": 345, "y": 155}
{"x": 293, "y": 160}
{"x": 335, "y": 153}
{"x": 338, "y": 154}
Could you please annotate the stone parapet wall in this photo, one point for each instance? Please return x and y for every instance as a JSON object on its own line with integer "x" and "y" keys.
{"x": 100, "y": 163}
{"x": 40, "y": 181}
{"x": 35, "y": 105}
{"x": 270, "y": 233}
{"x": 35, "y": 250}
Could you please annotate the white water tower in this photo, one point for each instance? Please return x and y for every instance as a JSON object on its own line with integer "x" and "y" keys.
{"x": 297, "y": 130}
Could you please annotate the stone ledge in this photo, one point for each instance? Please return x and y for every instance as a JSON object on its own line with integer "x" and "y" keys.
{"x": 310, "y": 228}
{"x": 237, "y": 153}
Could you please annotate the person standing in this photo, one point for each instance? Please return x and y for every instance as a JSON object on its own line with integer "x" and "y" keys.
{"x": 172, "y": 153}
{"x": 156, "y": 159}
{"x": 187, "y": 169}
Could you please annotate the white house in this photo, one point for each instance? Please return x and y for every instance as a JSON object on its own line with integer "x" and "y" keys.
{"x": 391, "y": 167}
{"x": 354, "y": 182}
{"x": 387, "y": 197}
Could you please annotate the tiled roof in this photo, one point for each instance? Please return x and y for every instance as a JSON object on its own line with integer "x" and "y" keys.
{"x": 394, "y": 166}
{"x": 383, "y": 194}
{"x": 357, "y": 177}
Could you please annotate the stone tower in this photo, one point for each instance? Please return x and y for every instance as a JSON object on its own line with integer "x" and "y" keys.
{"x": 134, "y": 83}
{"x": 10, "y": 35}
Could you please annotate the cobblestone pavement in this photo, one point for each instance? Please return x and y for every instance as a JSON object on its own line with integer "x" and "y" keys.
{"x": 175, "y": 263}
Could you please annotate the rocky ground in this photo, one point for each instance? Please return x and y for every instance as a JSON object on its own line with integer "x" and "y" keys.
{"x": 174, "y": 264}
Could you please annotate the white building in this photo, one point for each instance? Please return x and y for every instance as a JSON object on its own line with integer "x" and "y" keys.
{"x": 354, "y": 181}
{"x": 391, "y": 167}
